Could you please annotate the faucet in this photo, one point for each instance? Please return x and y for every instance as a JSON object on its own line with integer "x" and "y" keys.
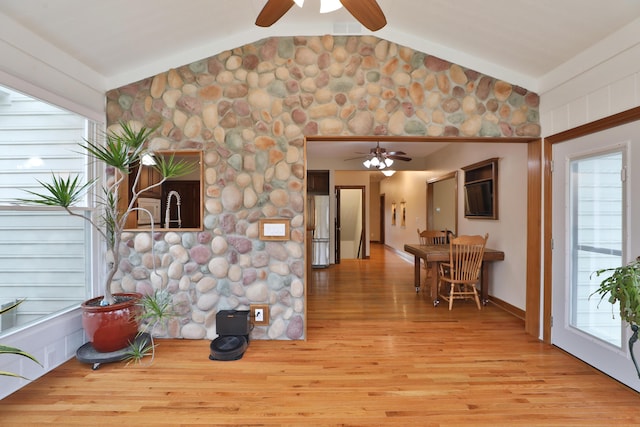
{"x": 167, "y": 219}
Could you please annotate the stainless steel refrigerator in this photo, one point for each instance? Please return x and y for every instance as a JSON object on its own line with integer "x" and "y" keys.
{"x": 320, "y": 242}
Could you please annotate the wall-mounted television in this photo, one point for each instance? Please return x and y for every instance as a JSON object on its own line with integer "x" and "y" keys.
{"x": 478, "y": 199}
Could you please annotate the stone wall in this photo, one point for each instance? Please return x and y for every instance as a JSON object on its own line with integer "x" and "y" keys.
{"x": 249, "y": 109}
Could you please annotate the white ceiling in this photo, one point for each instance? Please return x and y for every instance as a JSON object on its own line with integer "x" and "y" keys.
{"x": 536, "y": 44}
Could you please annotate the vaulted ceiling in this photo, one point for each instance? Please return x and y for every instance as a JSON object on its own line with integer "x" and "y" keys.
{"x": 525, "y": 42}
{"x": 537, "y": 44}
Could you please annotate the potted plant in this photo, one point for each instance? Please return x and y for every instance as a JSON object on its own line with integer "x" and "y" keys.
{"x": 156, "y": 310}
{"x": 122, "y": 154}
{"x": 623, "y": 286}
{"x": 5, "y": 349}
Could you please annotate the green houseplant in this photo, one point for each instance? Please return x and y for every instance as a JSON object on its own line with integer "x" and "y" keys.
{"x": 156, "y": 310}
{"x": 122, "y": 153}
{"x": 622, "y": 285}
{"x": 5, "y": 349}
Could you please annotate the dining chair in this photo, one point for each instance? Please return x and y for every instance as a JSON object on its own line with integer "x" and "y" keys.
{"x": 462, "y": 272}
{"x": 430, "y": 237}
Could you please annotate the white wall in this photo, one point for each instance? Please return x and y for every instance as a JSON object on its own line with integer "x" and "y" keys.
{"x": 409, "y": 187}
{"x": 594, "y": 91}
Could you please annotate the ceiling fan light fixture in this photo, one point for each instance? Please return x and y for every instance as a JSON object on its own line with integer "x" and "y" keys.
{"x": 367, "y": 163}
{"x": 148, "y": 159}
{"x": 388, "y": 162}
{"x": 327, "y": 6}
{"x": 375, "y": 162}
{"x": 388, "y": 172}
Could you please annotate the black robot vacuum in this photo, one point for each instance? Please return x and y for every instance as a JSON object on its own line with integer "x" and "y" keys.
{"x": 233, "y": 328}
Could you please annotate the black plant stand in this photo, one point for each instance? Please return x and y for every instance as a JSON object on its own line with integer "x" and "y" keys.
{"x": 87, "y": 354}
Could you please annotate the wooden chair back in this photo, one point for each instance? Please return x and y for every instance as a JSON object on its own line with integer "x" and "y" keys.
{"x": 465, "y": 258}
{"x": 432, "y": 237}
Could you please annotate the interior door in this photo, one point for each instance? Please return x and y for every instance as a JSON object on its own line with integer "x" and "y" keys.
{"x": 337, "y": 228}
{"x": 592, "y": 230}
{"x": 350, "y": 212}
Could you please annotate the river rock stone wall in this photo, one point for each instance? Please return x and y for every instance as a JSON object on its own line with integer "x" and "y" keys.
{"x": 249, "y": 109}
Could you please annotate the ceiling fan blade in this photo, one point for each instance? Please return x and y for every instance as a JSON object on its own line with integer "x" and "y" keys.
{"x": 367, "y": 12}
{"x": 403, "y": 158}
{"x": 396, "y": 153}
{"x": 272, "y": 11}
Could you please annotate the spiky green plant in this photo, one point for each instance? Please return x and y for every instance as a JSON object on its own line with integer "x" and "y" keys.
{"x": 5, "y": 349}
{"x": 157, "y": 309}
{"x": 138, "y": 349}
{"x": 123, "y": 151}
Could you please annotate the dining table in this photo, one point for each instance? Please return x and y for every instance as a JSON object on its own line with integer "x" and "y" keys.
{"x": 433, "y": 255}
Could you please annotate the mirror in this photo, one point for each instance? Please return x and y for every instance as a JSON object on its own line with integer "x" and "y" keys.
{"x": 177, "y": 203}
{"x": 442, "y": 203}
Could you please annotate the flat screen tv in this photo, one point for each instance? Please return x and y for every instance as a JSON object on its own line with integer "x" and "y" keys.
{"x": 478, "y": 199}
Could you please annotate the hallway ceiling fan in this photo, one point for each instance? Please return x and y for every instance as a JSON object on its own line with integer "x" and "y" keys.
{"x": 380, "y": 158}
{"x": 367, "y": 12}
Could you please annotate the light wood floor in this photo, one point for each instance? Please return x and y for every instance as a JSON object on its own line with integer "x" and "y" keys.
{"x": 377, "y": 354}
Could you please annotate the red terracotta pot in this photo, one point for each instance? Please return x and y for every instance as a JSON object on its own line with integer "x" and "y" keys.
{"x": 112, "y": 327}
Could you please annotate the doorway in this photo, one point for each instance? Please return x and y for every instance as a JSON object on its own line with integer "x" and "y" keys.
{"x": 350, "y": 223}
{"x": 442, "y": 203}
{"x": 382, "y": 218}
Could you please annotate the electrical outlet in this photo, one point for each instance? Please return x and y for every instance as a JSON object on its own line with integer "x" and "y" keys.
{"x": 260, "y": 314}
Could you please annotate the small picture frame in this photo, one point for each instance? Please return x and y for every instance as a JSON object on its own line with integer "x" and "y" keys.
{"x": 393, "y": 213}
{"x": 403, "y": 214}
{"x": 274, "y": 229}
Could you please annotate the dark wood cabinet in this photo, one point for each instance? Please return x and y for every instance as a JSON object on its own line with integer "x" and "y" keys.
{"x": 317, "y": 182}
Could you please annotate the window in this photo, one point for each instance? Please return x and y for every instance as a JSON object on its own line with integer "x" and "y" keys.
{"x": 44, "y": 253}
{"x": 597, "y": 240}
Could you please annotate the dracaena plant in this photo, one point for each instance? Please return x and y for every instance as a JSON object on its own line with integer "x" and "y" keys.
{"x": 5, "y": 349}
{"x": 122, "y": 150}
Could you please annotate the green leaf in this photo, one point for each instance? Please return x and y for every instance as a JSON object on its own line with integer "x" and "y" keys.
{"x": 122, "y": 150}
{"x": 4, "y": 349}
{"x": 12, "y": 306}
{"x": 169, "y": 167}
{"x": 61, "y": 192}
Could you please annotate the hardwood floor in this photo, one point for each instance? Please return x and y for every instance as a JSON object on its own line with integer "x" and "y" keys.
{"x": 377, "y": 354}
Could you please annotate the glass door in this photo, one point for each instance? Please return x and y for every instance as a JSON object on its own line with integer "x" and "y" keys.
{"x": 591, "y": 181}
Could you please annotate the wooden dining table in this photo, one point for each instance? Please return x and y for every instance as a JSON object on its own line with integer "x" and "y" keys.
{"x": 433, "y": 255}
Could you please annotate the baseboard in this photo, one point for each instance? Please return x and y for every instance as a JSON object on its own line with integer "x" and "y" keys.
{"x": 402, "y": 254}
{"x": 515, "y": 311}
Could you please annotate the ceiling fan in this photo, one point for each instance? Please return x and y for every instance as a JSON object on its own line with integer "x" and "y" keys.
{"x": 380, "y": 158}
{"x": 367, "y": 12}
